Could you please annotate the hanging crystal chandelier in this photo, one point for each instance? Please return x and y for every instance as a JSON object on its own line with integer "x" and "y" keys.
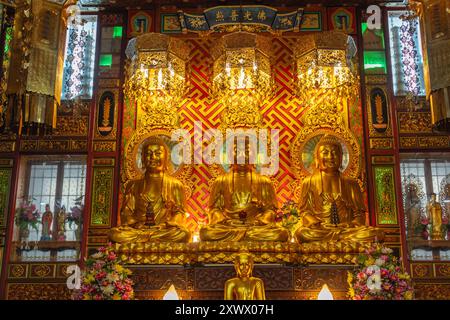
{"x": 156, "y": 71}
{"x": 325, "y": 73}
{"x": 242, "y": 68}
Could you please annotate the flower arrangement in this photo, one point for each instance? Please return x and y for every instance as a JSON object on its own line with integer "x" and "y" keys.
{"x": 27, "y": 215}
{"x": 446, "y": 226}
{"x": 288, "y": 215}
{"x": 105, "y": 278}
{"x": 76, "y": 213}
{"x": 379, "y": 277}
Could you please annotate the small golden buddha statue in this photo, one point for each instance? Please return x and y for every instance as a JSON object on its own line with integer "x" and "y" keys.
{"x": 244, "y": 286}
{"x": 331, "y": 205}
{"x": 242, "y": 206}
{"x": 153, "y": 207}
{"x": 435, "y": 213}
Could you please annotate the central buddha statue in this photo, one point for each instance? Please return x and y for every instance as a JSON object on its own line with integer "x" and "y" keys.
{"x": 153, "y": 207}
{"x": 242, "y": 207}
{"x": 331, "y": 205}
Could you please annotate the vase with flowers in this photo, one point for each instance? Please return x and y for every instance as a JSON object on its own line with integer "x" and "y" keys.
{"x": 26, "y": 216}
{"x": 288, "y": 216}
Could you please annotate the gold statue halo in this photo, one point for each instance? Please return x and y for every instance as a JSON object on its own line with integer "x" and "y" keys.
{"x": 319, "y": 121}
{"x": 132, "y": 169}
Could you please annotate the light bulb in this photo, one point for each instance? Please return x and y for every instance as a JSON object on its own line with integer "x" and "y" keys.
{"x": 325, "y": 294}
{"x": 171, "y": 294}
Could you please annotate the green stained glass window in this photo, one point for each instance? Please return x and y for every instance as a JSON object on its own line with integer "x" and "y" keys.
{"x": 375, "y": 62}
{"x": 106, "y": 60}
{"x": 117, "y": 32}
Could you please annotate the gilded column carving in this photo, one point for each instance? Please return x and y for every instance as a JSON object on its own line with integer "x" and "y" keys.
{"x": 102, "y": 195}
{"x": 5, "y": 186}
{"x": 385, "y": 199}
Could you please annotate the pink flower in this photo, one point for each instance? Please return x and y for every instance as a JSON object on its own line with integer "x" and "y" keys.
{"x": 112, "y": 256}
{"x": 100, "y": 275}
{"x": 361, "y": 275}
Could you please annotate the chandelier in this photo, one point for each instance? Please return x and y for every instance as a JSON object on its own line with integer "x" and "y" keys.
{"x": 325, "y": 73}
{"x": 156, "y": 71}
{"x": 242, "y": 68}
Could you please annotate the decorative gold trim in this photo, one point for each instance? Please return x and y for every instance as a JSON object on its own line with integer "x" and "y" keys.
{"x": 8, "y": 163}
{"x": 109, "y": 83}
{"x": 7, "y": 146}
{"x": 383, "y": 160}
{"x": 42, "y": 270}
{"x": 376, "y": 79}
{"x": 224, "y": 252}
{"x": 381, "y": 143}
{"x": 104, "y": 162}
{"x": 104, "y": 146}
{"x": 16, "y": 271}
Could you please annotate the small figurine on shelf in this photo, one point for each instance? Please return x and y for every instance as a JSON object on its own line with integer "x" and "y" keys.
{"x": 435, "y": 213}
{"x": 47, "y": 218}
{"x": 61, "y": 224}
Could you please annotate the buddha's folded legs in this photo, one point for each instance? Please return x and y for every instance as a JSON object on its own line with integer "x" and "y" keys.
{"x": 311, "y": 235}
{"x": 358, "y": 234}
{"x": 219, "y": 232}
{"x": 363, "y": 234}
{"x": 267, "y": 233}
{"x": 222, "y": 232}
{"x": 152, "y": 234}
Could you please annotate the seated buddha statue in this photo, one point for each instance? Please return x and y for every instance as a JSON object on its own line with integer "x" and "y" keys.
{"x": 242, "y": 206}
{"x": 331, "y": 206}
{"x": 153, "y": 207}
{"x": 244, "y": 286}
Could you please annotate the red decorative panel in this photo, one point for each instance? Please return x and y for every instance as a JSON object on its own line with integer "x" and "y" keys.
{"x": 422, "y": 270}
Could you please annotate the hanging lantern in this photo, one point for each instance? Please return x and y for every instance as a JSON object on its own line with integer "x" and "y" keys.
{"x": 156, "y": 71}
{"x": 242, "y": 67}
{"x": 324, "y": 70}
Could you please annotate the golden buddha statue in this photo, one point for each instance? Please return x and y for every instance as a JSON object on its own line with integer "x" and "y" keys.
{"x": 331, "y": 205}
{"x": 435, "y": 214}
{"x": 242, "y": 206}
{"x": 244, "y": 286}
{"x": 153, "y": 207}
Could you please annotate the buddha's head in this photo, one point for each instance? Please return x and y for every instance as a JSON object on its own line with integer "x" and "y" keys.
{"x": 243, "y": 264}
{"x": 154, "y": 155}
{"x": 328, "y": 154}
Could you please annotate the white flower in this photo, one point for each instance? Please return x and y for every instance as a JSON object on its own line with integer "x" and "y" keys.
{"x": 111, "y": 277}
{"x": 379, "y": 262}
{"x": 108, "y": 289}
{"x": 386, "y": 250}
{"x": 97, "y": 255}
